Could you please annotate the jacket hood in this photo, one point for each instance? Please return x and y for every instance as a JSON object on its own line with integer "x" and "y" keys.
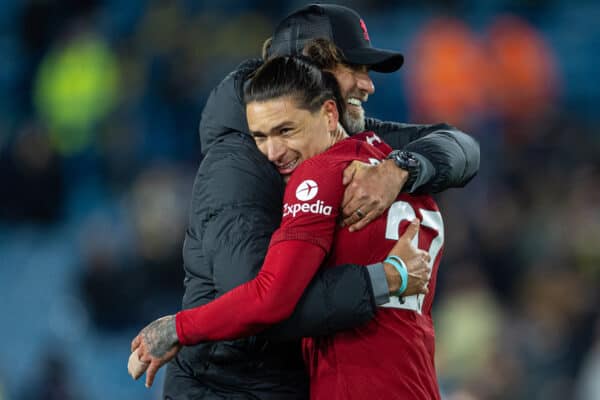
{"x": 224, "y": 112}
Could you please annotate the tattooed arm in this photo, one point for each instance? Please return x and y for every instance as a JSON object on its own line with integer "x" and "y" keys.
{"x": 156, "y": 345}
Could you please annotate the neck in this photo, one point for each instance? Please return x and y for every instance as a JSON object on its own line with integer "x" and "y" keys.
{"x": 338, "y": 134}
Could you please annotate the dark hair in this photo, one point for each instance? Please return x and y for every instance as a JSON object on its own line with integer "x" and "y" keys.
{"x": 297, "y": 77}
{"x": 324, "y": 53}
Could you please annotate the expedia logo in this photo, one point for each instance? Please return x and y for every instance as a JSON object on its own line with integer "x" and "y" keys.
{"x": 314, "y": 208}
{"x": 307, "y": 190}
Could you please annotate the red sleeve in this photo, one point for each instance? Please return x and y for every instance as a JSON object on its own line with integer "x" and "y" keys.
{"x": 267, "y": 299}
{"x": 311, "y": 206}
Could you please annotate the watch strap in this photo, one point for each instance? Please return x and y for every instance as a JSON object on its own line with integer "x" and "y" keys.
{"x": 408, "y": 162}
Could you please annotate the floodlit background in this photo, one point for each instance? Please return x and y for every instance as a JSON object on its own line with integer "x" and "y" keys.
{"x": 99, "y": 108}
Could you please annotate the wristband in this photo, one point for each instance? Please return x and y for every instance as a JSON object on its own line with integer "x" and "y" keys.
{"x": 401, "y": 268}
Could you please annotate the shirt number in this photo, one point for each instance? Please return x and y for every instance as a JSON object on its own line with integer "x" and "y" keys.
{"x": 403, "y": 211}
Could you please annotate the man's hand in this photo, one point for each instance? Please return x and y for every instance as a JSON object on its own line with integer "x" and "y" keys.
{"x": 156, "y": 345}
{"x": 416, "y": 262}
{"x": 370, "y": 190}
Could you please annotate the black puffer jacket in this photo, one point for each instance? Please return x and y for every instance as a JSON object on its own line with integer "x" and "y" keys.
{"x": 236, "y": 206}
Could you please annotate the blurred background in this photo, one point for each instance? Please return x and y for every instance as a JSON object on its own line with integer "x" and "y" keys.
{"x": 99, "y": 107}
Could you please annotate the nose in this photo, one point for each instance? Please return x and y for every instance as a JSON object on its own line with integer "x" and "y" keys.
{"x": 364, "y": 82}
{"x": 275, "y": 149}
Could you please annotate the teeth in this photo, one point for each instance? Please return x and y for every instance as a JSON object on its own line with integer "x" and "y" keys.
{"x": 289, "y": 165}
{"x": 354, "y": 102}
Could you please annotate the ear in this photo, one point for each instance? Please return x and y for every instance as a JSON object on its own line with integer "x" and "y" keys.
{"x": 332, "y": 114}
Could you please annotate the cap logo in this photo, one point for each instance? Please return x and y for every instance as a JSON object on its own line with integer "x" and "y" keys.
{"x": 307, "y": 190}
{"x": 363, "y": 26}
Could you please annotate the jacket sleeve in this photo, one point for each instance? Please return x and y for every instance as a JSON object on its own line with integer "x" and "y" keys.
{"x": 344, "y": 284}
{"x": 236, "y": 240}
{"x": 448, "y": 157}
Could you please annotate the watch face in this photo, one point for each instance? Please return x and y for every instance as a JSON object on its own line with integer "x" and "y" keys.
{"x": 406, "y": 160}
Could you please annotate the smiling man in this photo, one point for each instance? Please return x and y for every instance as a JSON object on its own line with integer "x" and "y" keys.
{"x": 289, "y": 147}
{"x": 353, "y": 79}
{"x": 336, "y": 38}
{"x": 427, "y": 158}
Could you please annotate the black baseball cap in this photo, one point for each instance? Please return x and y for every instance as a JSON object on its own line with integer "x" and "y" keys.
{"x": 342, "y": 26}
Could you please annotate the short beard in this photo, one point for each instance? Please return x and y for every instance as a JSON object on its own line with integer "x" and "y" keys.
{"x": 353, "y": 124}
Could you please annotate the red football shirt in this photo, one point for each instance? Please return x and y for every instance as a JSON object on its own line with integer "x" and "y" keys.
{"x": 392, "y": 356}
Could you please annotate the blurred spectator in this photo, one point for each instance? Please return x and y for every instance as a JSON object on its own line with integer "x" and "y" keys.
{"x": 75, "y": 88}
{"x": 510, "y": 76}
{"x": 446, "y": 81}
{"x": 523, "y": 78}
{"x": 40, "y": 24}
{"x": 468, "y": 326}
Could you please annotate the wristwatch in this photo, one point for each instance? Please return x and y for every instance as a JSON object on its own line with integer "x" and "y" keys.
{"x": 406, "y": 161}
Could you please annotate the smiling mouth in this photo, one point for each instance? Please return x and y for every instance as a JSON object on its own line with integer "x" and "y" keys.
{"x": 355, "y": 102}
{"x": 288, "y": 168}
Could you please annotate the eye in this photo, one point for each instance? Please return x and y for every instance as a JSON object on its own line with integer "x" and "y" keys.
{"x": 285, "y": 131}
{"x": 361, "y": 69}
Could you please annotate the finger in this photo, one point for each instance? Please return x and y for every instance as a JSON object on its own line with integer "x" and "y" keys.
{"x": 151, "y": 372}
{"x": 354, "y": 197}
{"x": 349, "y": 173}
{"x": 366, "y": 220}
{"x": 350, "y": 199}
{"x": 144, "y": 355}
{"x": 398, "y": 248}
{"x": 411, "y": 231}
{"x": 135, "y": 342}
{"x": 135, "y": 367}
{"x": 348, "y": 196}
{"x": 352, "y": 205}
{"x": 351, "y": 220}
{"x": 355, "y": 216}
{"x": 359, "y": 201}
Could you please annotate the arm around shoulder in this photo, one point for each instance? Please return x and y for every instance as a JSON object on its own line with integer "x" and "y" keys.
{"x": 447, "y": 157}
{"x": 236, "y": 240}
